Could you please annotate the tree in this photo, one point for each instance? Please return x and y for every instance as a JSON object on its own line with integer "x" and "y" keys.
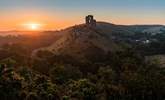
{"x": 10, "y": 83}
{"x": 62, "y": 74}
{"x": 83, "y": 89}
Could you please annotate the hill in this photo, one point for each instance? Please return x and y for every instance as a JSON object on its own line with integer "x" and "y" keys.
{"x": 82, "y": 41}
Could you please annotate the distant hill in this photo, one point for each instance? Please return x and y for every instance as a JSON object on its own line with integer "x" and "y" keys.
{"x": 108, "y": 27}
{"x": 81, "y": 41}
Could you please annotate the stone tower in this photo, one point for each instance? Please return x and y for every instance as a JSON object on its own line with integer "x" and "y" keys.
{"x": 90, "y": 21}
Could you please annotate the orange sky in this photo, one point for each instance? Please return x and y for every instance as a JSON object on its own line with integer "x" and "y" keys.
{"x": 58, "y": 14}
{"x": 15, "y": 21}
{"x": 52, "y": 23}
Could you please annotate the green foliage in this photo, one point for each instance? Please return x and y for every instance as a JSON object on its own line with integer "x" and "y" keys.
{"x": 16, "y": 52}
{"x": 65, "y": 98}
{"x": 25, "y": 84}
{"x": 122, "y": 75}
{"x": 31, "y": 96}
{"x": 9, "y": 62}
{"x": 83, "y": 89}
{"x": 61, "y": 74}
{"x": 10, "y": 83}
{"x": 45, "y": 89}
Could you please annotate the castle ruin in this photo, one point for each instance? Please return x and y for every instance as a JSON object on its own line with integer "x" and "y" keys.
{"x": 90, "y": 21}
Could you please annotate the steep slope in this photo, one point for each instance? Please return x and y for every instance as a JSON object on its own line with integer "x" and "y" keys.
{"x": 82, "y": 41}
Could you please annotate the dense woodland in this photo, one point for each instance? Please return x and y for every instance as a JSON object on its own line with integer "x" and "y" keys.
{"x": 120, "y": 75}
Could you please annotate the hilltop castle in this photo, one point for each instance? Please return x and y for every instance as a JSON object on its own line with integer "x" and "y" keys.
{"x": 90, "y": 21}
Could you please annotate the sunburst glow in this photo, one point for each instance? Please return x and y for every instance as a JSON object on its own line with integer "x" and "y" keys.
{"x": 33, "y": 26}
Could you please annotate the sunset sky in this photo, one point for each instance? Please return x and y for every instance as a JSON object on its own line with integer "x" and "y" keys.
{"x": 57, "y": 14}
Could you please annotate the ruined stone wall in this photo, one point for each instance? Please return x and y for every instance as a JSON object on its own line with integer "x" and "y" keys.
{"x": 90, "y": 21}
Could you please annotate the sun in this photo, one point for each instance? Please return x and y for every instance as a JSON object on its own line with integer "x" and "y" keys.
{"x": 33, "y": 26}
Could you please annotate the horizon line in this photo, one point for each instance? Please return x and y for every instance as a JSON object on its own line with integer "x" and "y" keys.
{"x": 42, "y": 30}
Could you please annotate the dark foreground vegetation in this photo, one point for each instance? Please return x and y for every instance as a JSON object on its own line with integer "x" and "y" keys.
{"x": 120, "y": 75}
{"x": 123, "y": 75}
